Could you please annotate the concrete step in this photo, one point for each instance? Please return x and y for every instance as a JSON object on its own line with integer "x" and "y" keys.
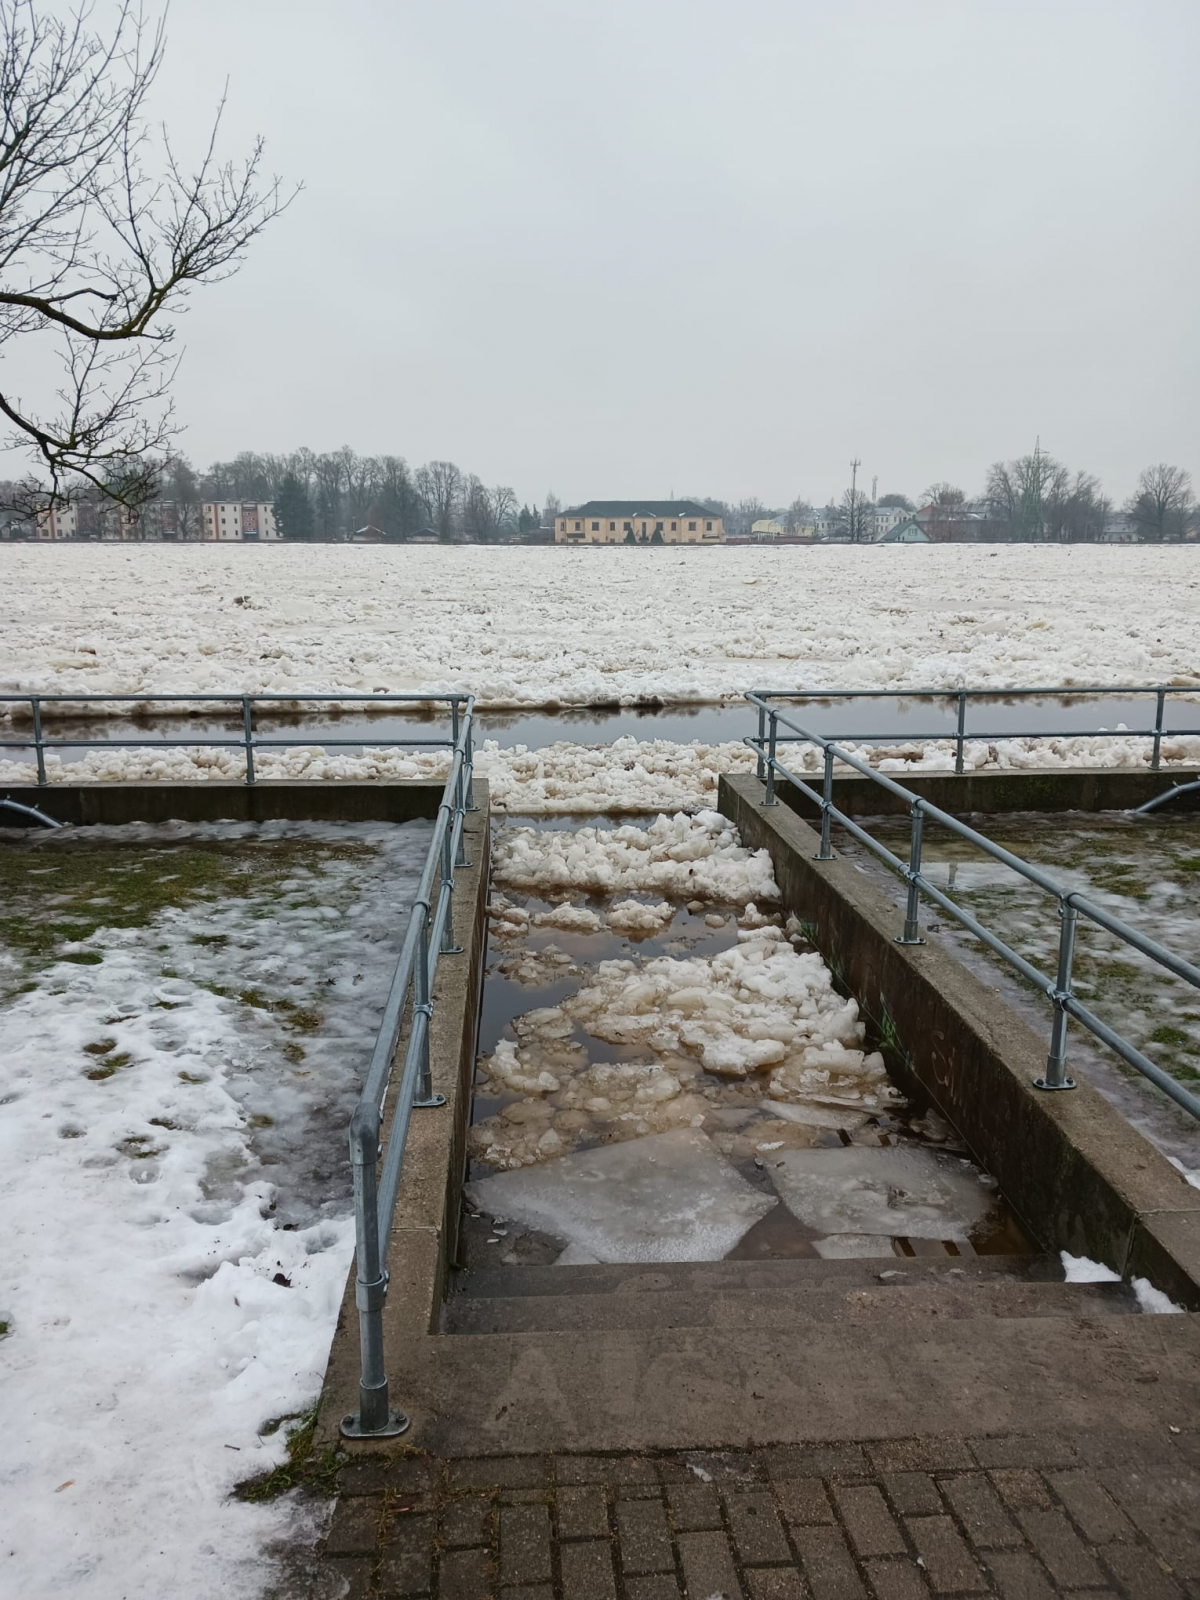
{"x": 817, "y": 1307}
{"x": 788, "y": 1273}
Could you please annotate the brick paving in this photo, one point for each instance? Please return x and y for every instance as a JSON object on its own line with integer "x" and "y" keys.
{"x": 1019, "y": 1518}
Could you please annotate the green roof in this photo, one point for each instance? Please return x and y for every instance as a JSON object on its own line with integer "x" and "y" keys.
{"x": 639, "y": 508}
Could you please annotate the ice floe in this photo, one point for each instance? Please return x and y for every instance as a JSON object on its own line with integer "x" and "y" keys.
{"x": 895, "y": 1192}
{"x": 668, "y": 1197}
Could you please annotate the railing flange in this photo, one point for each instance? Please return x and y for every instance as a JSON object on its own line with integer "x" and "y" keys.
{"x": 398, "y": 1422}
{"x": 1043, "y": 1083}
{"x": 430, "y": 1104}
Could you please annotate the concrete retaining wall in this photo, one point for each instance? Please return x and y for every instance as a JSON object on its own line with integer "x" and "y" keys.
{"x": 1071, "y": 789}
{"x": 1076, "y": 1173}
{"x": 269, "y": 801}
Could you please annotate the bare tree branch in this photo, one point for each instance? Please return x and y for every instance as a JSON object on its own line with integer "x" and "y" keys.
{"x": 104, "y": 232}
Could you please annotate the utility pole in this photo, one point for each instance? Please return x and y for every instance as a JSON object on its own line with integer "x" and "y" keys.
{"x": 874, "y": 488}
{"x": 854, "y": 466}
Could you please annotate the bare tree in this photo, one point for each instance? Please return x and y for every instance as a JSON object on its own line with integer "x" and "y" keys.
{"x": 900, "y": 502}
{"x": 181, "y": 497}
{"x": 854, "y": 516}
{"x": 103, "y": 235}
{"x": 946, "y": 505}
{"x": 1075, "y": 509}
{"x": 798, "y": 515}
{"x": 440, "y": 485}
{"x": 1162, "y": 505}
{"x": 503, "y": 503}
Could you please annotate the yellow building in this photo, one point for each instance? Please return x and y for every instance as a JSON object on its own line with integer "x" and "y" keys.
{"x": 638, "y": 522}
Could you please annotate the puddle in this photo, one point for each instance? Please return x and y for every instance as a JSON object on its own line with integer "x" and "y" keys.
{"x": 719, "y": 1032}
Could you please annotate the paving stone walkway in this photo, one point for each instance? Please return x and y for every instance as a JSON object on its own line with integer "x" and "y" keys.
{"x": 1024, "y": 1518}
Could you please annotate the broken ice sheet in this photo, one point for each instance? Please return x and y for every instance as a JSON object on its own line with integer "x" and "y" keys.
{"x": 667, "y": 1197}
{"x": 896, "y": 1192}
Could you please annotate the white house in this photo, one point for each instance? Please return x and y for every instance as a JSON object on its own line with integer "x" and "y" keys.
{"x": 909, "y": 531}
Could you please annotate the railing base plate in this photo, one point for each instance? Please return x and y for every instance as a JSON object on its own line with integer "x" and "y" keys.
{"x": 432, "y": 1103}
{"x": 396, "y": 1424}
{"x": 1067, "y": 1083}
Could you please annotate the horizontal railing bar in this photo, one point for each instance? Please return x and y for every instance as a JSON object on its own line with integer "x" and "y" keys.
{"x": 459, "y": 697}
{"x": 224, "y": 744}
{"x": 950, "y": 735}
{"x": 1006, "y": 858}
{"x": 1070, "y": 901}
{"x": 950, "y": 906}
{"x": 806, "y": 695}
{"x": 1131, "y": 1054}
{"x": 1149, "y": 947}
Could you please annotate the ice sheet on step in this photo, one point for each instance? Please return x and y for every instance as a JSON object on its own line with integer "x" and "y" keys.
{"x": 668, "y": 1197}
{"x": 895, "y": 1192}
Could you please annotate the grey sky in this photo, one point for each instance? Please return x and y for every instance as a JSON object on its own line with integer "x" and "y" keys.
{"x": 635, "y": 246}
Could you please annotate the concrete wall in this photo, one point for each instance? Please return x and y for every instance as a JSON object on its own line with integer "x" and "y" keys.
{"x": 317, "y": 801}
{"x": 1068, "y": 789}
{"x": 1077, "y": 1174}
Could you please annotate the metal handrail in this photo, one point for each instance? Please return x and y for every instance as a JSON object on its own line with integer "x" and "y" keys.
{"x": 1071, "y": 904}
{"x": 377, "y": 1167}
{"x": 249, "y": 740}
{"x": 963, "y": 697}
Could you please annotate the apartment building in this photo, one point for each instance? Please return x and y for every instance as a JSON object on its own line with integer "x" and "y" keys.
{"x": 230, "y": 520}
{"x": 638, "y": 522}
{"x": 58, "y": 522}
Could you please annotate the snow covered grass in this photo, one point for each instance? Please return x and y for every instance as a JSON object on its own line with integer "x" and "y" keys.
{"x": 188, "y": 1010}
{"x": 557, "y": 627}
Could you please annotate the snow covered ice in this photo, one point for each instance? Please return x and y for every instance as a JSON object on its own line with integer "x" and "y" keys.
{"x": 519, "y": 627}
{"x": 668, "y": 1197}
{"x": 173, "y": 1177}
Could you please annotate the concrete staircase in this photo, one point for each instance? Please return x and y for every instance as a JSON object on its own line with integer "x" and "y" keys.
{"x": 803, "y": 1294}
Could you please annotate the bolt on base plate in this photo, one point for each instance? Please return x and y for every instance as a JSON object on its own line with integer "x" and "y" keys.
{"x": 397, "y": 1423}
{"x": 1067, "y": 1083}
{"x": 430, "y": 1104}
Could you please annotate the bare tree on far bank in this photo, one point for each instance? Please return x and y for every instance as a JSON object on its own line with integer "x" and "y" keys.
{"x": 1163, "y": 504}
{"x": 104, "y": 232}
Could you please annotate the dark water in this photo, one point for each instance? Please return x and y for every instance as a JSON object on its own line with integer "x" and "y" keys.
{"x": 901, "y": 718}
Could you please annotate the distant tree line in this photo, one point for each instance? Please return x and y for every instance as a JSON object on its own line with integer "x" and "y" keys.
{"x": 340, "y": 495}
{"x": 1033, "y": 498}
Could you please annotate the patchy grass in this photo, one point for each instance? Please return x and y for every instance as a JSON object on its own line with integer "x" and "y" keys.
{"x": 55, "y": 893}
{"x": 304, "y": 1467}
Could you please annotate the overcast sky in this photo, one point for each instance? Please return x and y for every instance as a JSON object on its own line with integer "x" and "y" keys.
{"x": 627, "y": 247}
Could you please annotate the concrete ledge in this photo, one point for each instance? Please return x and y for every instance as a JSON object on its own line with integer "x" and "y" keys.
{"x": 424, "y": 1237}
{"x": 322, "y": 800}
{"x": 1066, "y": 789}
{"x": 1078, "y": 1175}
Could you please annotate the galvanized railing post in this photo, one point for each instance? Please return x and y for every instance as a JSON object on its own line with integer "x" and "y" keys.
{"x": 760, "y": 770}
{"x": 769, "y": 798}
{"x": 375, "y": 1419}
{"x": 424, "y": 1098}
{"x": 248, "y": 737}
{"x": 448, "y": 946}
{"x": 469, "y": 767}
{"x": 460, "y": 859}
{"x": 912, "y": 910}
{"x": 1056, "y": 1074}
{"x": 36, "y": 706}
{"x": 962, "y": 723}
{"x": 825, "y": 853}
{"x": 1158, "y": 730}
